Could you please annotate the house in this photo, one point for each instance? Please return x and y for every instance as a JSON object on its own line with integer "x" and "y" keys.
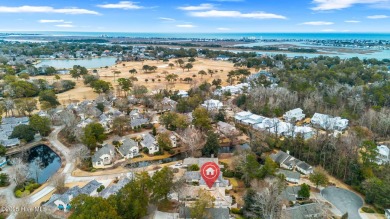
{"x": 239, "y": 117}
{"x": 312, "y": 210}
{"x": 387, "y": 213}
{"x": 294, "y": 115}
{"x": 304, "y": 168}
{"x": 137, "y": 119}
{"x": 253, "y": 120}
{"x": 383, "y": 156}
{"x": 232, "y": 89}
{"x": 150, "y": 143}
{"x": 173, "y": 139}
{"x": 62, "y": 201}
{"x": 212, "y": 105}
{"x": 290, "y": 193}
{"x": 200, "y": 161}
{"x": 182, "y": 93}
{"x": 114, "y": 189}
{"x": 129, "y": 148}
{"x": 104, "y": 156}
{"x": 291, "y": 176}
{"x": 222, "y": 58}
{"x": 306, "y": 132}
{"x": 3, "y": 161}
{"x": 226, "y": 128}
{"x": 329, "y": 123}
{"x": 165, "y": 105}
{"x": 7, "y": 126}
{"x": 267, "y": 124}
{"x": 289, "y": 162}
{"x": 215, "y": 213}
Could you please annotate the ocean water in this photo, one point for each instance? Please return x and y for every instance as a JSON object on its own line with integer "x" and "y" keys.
{"x": 280, "y": 36}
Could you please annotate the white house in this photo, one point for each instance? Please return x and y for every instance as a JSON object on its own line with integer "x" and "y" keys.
{"x": 304, "y": 168}
{"x": 173, "y": 139}
{"x": 383, "y": 154}
{"x": 253, "y": 120}
{"x": 294, "y": 115}
{"x": 129, "y": 148}
{"x": 239, "y": 117}
{"x": 149, "y": 142}
{"x": 104, "y": 156}
{"x": 212, "y": 104}
{"x": 182, "y": 93}
{"x": 328, "y": 123}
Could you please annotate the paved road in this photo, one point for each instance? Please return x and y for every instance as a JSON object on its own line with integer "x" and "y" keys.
{"x": 344, "y": 200}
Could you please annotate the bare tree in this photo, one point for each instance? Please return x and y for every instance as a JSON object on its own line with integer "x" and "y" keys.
{"x": 193, "y": 139}
{"x": 19, "y": 171}
{"x": 58, "y": 181}
{"x": 267, "y": 200}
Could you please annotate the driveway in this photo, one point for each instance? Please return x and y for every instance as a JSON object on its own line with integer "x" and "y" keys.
{"x": 344, "y": 200}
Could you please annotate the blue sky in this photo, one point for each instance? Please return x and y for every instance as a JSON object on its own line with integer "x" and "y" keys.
{"x": 196, "y": 15}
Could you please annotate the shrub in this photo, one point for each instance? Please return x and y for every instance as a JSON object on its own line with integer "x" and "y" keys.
{"x": 236, "y": 211}
{"x": 171, "y": 151}
{"x": 228, "y": 173}
{"x": 18, "y": 194}
{"x": 175, "y": 170}
{"x": 145, "y": 150}
{"x": 193, "y": 167}
{"x": 368, "y": 210}
{"x": 100, "y": 188}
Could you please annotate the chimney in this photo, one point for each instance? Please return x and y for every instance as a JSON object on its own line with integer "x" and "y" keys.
{"x": 212, "y": 155}
{"x": 288, "y": 152}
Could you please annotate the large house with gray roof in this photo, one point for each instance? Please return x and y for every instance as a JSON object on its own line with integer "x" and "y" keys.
{"x": 312, "y": 210}
{"x": 217, "y": 213}
{"x": 327, "y": 122}
{"x": 6, "y": 128}
{"x": 129, "y": 148}
{"x": 104, "y": 156}
{"x": 62, "y": 201}
{"x": 289, "y": 162}
{"x": 150, "y": 143}
{"x": 114, "y": 189}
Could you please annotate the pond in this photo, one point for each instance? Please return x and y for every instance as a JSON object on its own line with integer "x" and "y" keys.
{"x": 69, "y": 63}
{"x": 139, "y": 164}
{"x": 42, "y": 163}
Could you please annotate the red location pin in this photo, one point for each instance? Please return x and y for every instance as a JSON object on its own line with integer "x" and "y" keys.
{"x": 210, "y": 172}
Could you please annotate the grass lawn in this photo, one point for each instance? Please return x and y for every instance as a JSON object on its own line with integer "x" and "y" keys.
{"x": 233, "y": 182}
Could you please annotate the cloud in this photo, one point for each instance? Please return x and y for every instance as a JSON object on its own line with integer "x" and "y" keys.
{"x": 223, "y": 28}
{"x": 197, "y": 8}
{"x": 324, "y": 5}
{"x": 185, "y": 26}
{"x": 377, "y": 17}
{"x": 51, "y": 21}
{"x": 126, "y": 5}
{"x": 236, "y": 14}
{"x": 64, "y": 25}
{"x": 352, "y": 21}
{"x": 45, "y": 9}
{"x": 328, "y": 30}
{"x": 166, "y": 19}
{"x": 317, "y": 23}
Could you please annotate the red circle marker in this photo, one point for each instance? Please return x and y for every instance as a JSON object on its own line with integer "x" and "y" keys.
{"x": 210, "y": 172}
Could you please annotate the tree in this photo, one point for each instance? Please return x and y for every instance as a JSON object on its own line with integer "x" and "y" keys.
{"x": 133, "y": 199}
{"x": 246, "y": 164}
{"x": 192, "y": 59}
{"x": 89, "y": 79}
{"x": 93, "y": 134}
{"x": 3, "y": 150}
{"x": 180, "y": 62}
{"x": 304, "y": 192}
{"x": 85, "y": 206}
{"x": 201, "y": 118}
{"x": 101, "y": 86}
{"x": 125, "y": 84}
{"x": 193, "y": 167}
{"x": 188, "y": 66}
{"x": 133, "y": 71}
{"x": 205, "y": 200}
{"x": 4, "y": 180}
{"x": 19, "y": 171}
{"x": 23, "y": 132}
{"x": 319, "y": 177}
{"x": 164, "y": 141}
{"x": 58, "y": 181}
{"x": 139, "y": 91}
{"x": 26, "y": 105}
{"x": 171, "y": 65}
{"x": 162, "y": 183}
{"x": 48, "y": 99}
{"x": 201, "y": 73}
{"x": 267, "y": 200}
{"x": 212, "y": 145}
{"x": 40, "y": 124}
{"x": 119, "y": 124}
{"x": 154, "y": 131}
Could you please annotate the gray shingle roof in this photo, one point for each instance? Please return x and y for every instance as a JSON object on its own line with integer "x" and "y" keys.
{"x": 279, "y": 157}
{"x": 138, "y": 122}
{"x": 90, "y": 187}
{"x": 303, "y": 211}
{"x": 112, "y": 190}
{"x": 303, "y": 165}
{"x": 148, "y": 141}
{"x": 104, "y": 150}
{"x": 290, "y": 174}
{"x": 127, "y": 144}
{"x": 215, "y": 213}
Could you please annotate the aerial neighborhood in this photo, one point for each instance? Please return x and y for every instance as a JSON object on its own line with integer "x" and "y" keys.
{"x": 129, "y": 139}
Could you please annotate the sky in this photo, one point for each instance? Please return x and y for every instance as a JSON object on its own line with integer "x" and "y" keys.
{"x": 203, "y": 16}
